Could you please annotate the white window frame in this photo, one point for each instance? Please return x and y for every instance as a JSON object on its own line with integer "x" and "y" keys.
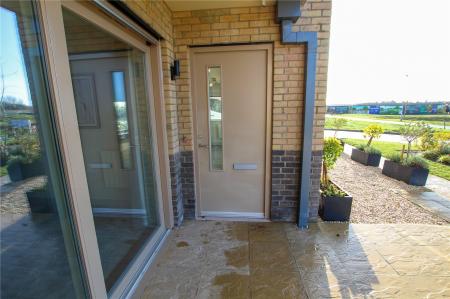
{"x": 50, "y": 13}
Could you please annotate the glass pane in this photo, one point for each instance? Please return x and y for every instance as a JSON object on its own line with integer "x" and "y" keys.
{"x": 215, "y": 118}
{"x": 109, "y": 84}
{"x": 39, "y": 255}
{"x": 120, "y": 107}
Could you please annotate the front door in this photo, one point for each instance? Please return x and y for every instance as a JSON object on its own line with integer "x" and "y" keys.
{"x": 230, "y": 92}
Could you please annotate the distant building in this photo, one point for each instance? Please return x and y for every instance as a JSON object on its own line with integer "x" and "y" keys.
{"x": 389, "y": 108}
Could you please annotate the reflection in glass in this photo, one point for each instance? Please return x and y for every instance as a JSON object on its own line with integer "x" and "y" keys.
{"x": 120, "y": 106}
{"x": 39, "y": 257}
{"x": 117, "y": 152}
{"x": 215, "y": 118}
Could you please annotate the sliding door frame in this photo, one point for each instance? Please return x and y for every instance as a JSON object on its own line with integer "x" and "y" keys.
{"x": 55, "y": 48}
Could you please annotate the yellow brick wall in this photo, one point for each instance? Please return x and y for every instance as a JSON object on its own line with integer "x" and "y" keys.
{"x": 158, "y": 15}
{"x": 257, "y": 24}
{"x": 234, "y": 25}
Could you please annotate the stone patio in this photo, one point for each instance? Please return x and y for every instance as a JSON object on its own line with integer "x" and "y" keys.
{"x": 216, "y": 259}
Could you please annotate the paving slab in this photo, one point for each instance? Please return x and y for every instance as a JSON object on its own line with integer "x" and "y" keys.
{"x": 224, "y": 259}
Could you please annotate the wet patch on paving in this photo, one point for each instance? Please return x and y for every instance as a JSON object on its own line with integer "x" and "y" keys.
{"x": 329, "y": 260}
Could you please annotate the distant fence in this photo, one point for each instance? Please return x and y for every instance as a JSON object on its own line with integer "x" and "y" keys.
{"x": 410, "y": 109}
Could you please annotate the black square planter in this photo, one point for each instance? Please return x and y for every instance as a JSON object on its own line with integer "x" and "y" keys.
{"x": 411, "y": 175}
{"x": 335, "y": 208}
{"x": 41, "y": 201}
{"x": 365, "y": 158}
{"x": 20, "y": 171}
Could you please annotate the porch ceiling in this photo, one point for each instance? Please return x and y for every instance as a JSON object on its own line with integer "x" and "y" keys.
{"x": 181, "y": 5}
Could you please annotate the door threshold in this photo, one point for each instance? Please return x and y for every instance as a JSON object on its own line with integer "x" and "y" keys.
{"x": 232, "y": 216}
{"x": 232, "y": 219}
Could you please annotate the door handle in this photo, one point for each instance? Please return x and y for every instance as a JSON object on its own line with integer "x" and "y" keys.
{"x": 203, "y": 145}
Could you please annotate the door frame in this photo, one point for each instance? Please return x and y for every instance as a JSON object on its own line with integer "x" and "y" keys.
{"x": 268, "y": 47}
{"x": 63, "y": 103}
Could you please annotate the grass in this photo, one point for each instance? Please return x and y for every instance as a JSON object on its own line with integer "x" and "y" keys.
{"x": 429, "y": 119}
{"x": 387, "y": 148}
{"x": 360, "y": 125}
{"x": 3, "y": 171}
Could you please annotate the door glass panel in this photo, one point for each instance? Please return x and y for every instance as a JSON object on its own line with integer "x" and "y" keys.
{"x": 215, "y": 118}
{"x": 120, "y": 107}
{"x": 116, "y": 142}
{"x": 39, "y": 253}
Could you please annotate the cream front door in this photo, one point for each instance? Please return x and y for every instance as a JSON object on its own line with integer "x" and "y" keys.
{"x": 230, "y": 93}
{"x": 103, "y": 102}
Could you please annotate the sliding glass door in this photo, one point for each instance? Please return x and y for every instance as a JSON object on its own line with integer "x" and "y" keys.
{"x": 109, "y": 82}
{"x": 81, "y": 204}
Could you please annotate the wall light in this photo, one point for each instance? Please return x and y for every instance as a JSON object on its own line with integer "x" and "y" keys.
{"x": 175, "y": 70}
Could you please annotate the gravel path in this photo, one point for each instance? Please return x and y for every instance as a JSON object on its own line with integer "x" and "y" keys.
{"x": 13, "y": 198}
{"x": 378, "y": 198}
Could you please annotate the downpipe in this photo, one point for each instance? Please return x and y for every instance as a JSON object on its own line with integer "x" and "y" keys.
{"x": 288, "y": 13}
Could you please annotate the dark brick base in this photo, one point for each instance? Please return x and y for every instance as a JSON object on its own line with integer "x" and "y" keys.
{"x": 188, "y": 184}
{"x": 175, "y": 184}
{"x": 285, "y": 185}
{"x": 314, "y": 194}
{"x": 286, "y": 171}
{"x": 182, "y": 185}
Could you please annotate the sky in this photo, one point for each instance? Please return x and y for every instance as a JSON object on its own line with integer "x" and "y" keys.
{"x": 380, "y": 50}
{"x": 383, "y": 50}
{"x": 11, "y": 60}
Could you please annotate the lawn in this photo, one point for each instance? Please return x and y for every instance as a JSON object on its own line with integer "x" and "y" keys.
{"x": 360, "y": 125}
{"x": 3, "y": 171}
{"x": 429, "y": 119}
{"x": 388, "y": 148}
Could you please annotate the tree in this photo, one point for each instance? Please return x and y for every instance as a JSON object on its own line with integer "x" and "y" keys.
{"x": 338, "y": 123}
{"x": 412, "y": 131}
{"x": 332, "y": 149}
{"x": 372, "y": 132}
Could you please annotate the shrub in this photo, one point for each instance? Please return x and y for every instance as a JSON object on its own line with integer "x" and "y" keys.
{"x": 373, "y": 132}
{"x": 371, "y": 150}
{"x": 415, "y": 161}
{"x": 332, "y": 149}
{"x": 395, "y": 157}
{"x": 442, "y": 136}
{"x": 445, "y": 150}
{"x": 332, "y": 190}
{"x": 431, "y": 155}
{"x": 361, "y": 147}
{"x": 444, "y": 159}
{"x": 368, "y": 149}
{"x": 428, "y": 141}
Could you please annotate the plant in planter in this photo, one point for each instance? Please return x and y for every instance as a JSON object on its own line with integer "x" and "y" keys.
{"x": 412, "y": 170}
{"x": 335, "y": 204}
{"x": 373, "y": 132}
{"x": 25, "y": 158}
{"x": 41, "y": 200}
{"x": 367, "y": 154}
{"x": 413, "y": 131}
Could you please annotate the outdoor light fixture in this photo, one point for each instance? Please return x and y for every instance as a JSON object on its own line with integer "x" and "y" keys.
{"x": 175, "y": 70}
